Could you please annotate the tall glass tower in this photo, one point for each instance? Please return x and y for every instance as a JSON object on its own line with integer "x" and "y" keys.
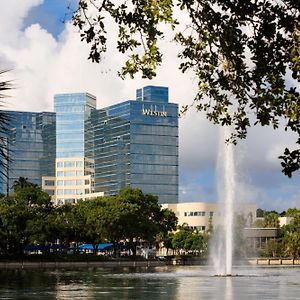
{"x": 72, "y": 123}
{"x": 136, "y": 144}
{"x": 74, "y": 156}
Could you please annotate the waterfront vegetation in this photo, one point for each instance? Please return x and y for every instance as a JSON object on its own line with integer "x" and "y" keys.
{"x": 288, "y": 243}
{"x": 130, "y": 220}
{"x": 27, "y": 216}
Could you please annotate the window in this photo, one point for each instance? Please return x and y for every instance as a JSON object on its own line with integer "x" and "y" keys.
{"x": 194, "y": 214}
{"x": 50, "y": 192}
{"x": 49, "y": 182}
{"x": 188, "y": 214}
{"x": 211, "y": 214}
{"x": 70, "y": 173}
{"x": 59, "y": 164}
{"x": 79, "y": 164}
{"x": 69, "y": 164}
{"x": 70, "y": 192}
{"x": 70, "y": 182}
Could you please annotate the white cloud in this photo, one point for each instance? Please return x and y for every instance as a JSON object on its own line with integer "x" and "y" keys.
{"x": 13, "y": 13}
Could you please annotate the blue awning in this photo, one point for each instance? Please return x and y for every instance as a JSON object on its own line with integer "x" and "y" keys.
{"x": 103, "y": 246}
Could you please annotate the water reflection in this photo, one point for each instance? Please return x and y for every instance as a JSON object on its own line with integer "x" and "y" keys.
{"x": 228, "y": 292}
{"x": 178, "y": 283}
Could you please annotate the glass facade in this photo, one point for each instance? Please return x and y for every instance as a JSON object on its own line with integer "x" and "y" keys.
{"x": 136, "y": 144}
{"x": 31, "y": 147}
{"x": 74, "y": 147}
{"x": 82, "y": 150}
{"x": 72, "y": 123}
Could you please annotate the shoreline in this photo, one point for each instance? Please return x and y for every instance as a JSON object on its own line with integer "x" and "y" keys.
{"x": 79, "y": 264}
{"x": 274, "y": 261}
{"x": 261, "y": 262}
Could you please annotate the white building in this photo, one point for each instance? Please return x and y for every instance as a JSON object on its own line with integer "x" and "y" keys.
{"x": 74, "y": 181}
{"x": 200, "y": 215}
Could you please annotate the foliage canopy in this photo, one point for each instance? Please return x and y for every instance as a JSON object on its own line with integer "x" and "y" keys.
{"x": 28, "y": 216}
{"x": 245, "y": 55}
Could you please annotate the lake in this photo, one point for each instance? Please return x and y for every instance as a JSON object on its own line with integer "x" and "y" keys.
{"x": 167, "y": 282}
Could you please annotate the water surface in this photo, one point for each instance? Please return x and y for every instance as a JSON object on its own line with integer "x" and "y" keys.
{"x": 172, "y": 282}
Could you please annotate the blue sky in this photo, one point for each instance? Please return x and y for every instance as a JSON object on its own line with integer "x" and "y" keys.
{"x": 52, "y": 15}
{"x": 46, "y": 57}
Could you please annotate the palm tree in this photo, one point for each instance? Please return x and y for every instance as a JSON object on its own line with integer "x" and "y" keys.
{"x": 22, "y": 182}
{"x": 271, "y": 220}
{"x": 5, "y": 85}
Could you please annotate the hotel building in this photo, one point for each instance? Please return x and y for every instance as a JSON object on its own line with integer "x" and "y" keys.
{"x": 96, "y": 152}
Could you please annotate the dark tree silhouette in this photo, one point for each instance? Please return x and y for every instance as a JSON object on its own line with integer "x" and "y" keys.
{"x": 5, "y": 85}
{"x": 22, "y": 182}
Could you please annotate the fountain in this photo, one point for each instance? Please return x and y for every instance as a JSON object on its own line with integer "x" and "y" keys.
{"x": 222, "y": 244}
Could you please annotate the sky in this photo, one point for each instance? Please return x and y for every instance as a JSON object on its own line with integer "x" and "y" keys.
{"x": 46, "y": 57}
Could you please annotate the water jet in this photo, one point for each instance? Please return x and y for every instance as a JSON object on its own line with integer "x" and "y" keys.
{"x": 222, "y": 247}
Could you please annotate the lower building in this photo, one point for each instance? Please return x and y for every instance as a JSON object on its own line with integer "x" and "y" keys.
{"x": 74, "y": 181}
{"x": 257, "y": 238}
{"x": 202, "y": 215}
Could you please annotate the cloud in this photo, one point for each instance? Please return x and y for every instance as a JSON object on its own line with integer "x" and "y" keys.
{"x": 12, "y": 17}
{"x": 44, "y": 65}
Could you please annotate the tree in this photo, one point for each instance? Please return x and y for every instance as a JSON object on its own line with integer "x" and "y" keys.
{"x": 200, "y": 243}
{"x": 65, "y": 225}
{"x": 259, "y": 223}
{"x": 291, "y": 237}
{"x": 5, "y": 85}
{"x": 167, "y": 242}
{"x": 104, "y": 221}
{"x": 21, "y": 183}
{"x": 129, "y": 216}
{"x": 274, "y": 248}
{"x": 145, "y": 219}
{"x": 24, "y": 218}
{"x": 182, "y": 239}
{"x": 14, "y": 215}
{"x": 292, "y": 212}
{"x": 260, "y": 213}
{"x": 271, "y": 220}
{"x": 38, "y": 205}
{"x": 245, "y": 55}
